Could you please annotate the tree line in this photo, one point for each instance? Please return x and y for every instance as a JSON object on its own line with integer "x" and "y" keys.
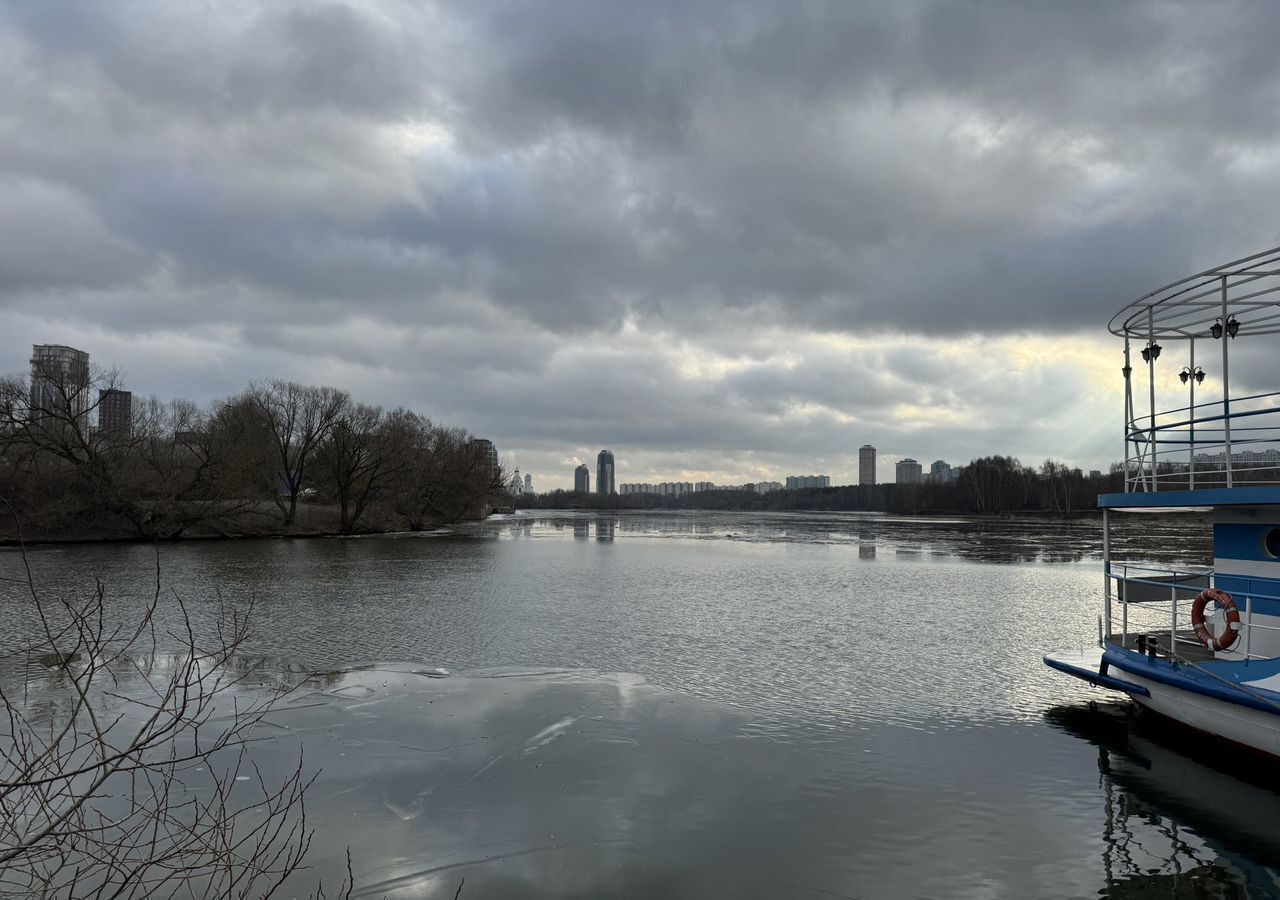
{"x": 989, "y": 485}
{"x": 241, "y": 465}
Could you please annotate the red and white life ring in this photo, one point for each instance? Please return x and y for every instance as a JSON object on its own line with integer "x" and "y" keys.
{"x": 1230, "y": 633}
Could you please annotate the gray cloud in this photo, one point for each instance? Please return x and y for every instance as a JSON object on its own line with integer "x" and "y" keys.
{"x": 528, "y": 218}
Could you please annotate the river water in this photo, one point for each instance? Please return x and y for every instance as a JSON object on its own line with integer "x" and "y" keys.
{"x": 714, "y": 704}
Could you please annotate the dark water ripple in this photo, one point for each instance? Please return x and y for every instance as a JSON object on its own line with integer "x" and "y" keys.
{"x": 822, "y": 705}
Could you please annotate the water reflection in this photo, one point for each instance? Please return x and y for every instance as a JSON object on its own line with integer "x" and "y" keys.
{"x": 606, "y": 528}
{"x": 548, "y": 783}
{"x": 1007, "y": 540}
{"x": 1178, "y": 822}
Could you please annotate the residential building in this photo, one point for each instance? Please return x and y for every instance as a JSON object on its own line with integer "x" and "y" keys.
{"x": 488, "y": 453}
{"x": 941, "y": 472}
{"x": 582, "y": 479}
{"x": 797, "y": 482}
{"x": 604, "y": 473}
{"x": 60, "y": 383}
{"x": 768, "y": 487}
{"x": 909, "y": 472}
{"x": 665, "y": 488}
{"x": 115, "y": 413}
{"x": 866, "y": 464}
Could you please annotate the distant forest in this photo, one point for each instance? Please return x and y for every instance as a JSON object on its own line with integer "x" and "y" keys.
{"x": 276, "y": 458}
{"x": 989, "y": 485}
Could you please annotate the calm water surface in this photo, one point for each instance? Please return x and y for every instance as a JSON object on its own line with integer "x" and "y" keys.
{"x": 692, "y": 705}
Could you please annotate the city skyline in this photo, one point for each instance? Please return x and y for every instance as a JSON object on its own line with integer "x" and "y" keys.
{"x": 484, "y": 230}
{"x": 114, "y": 409}
{"x": 939, "y": 471}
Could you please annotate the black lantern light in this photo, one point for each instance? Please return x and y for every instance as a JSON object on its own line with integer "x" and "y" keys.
{"x": 1233, "y": 327}
{"x": 1216, "y": 330}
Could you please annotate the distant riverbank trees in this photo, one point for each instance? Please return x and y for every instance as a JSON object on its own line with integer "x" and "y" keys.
{"x": 251, "y": 464}
{"x": 991, "y": 485}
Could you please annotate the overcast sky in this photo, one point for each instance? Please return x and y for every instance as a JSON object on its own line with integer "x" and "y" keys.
{"x": 728, "y": 240}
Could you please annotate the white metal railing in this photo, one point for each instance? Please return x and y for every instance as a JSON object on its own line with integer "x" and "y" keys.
{"x": 1187, "y": 447}
{"x": 1167, "y": 597}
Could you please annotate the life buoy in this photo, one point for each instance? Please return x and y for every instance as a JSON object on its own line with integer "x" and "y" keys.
{"x": 1232, "y": 630}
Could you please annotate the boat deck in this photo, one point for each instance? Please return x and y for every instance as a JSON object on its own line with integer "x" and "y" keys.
{"x": 1187, "y": 647}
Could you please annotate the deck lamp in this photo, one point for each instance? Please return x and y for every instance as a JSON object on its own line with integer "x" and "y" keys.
{"x": 1216, "y": 330}
{"x": 1126, "y": 370}
{"x": 1233, "y": 327}
{"x": 1197, "y": 373}
{"x": 1151, "y": 352}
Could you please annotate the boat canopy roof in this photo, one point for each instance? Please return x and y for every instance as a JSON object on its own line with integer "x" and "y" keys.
{"x": 1245, "y": 289}
{"x": 1197, "y": 500}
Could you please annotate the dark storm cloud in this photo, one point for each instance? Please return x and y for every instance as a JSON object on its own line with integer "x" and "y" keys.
{"x": 649, "y": 158}
{"x": 530, "y": 217}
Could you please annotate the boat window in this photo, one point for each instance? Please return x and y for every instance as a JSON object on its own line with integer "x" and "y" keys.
{"x": 1271, "y": 542}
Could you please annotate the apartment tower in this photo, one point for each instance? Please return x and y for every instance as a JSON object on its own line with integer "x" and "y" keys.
{"x": 604, "y": 473}
{"x": 866, "y": 464}
{"x": 60, "y": 383}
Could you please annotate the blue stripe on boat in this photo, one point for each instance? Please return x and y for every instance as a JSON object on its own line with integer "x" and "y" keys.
{"x": 1236, "y": 496}
{"x": 1198, "y": 682}
{"x": 1096, "y": 678}
{"x": 1239, "y": 541}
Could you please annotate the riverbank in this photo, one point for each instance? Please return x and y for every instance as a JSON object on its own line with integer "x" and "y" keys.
{"x": 259, "y": 521}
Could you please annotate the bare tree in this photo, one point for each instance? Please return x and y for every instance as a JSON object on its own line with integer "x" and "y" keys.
{"x": 175, "y": 473}
{"x": 47, "y": 431}
{"x": 450, "y": 479}
{"x": 299, "y": 418}
{"x": 367, "y": 450}
{"x": 106, "y": 793}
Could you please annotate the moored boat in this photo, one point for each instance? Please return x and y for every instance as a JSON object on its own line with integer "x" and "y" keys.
{"x": 1199, "y": 645}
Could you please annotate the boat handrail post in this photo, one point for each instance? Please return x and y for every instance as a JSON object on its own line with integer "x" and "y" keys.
{"x": 1151, "y": 384}
{"x": 1106, "y": 570}
{"x": 1124, "y": 610}
{"x": 1248, "y": 623}
{"x": 1173, "y": 616}
{"x": 1191, "y": 416}
{"x": 1127, "y": 371}
{"x": 1226, "y": 384}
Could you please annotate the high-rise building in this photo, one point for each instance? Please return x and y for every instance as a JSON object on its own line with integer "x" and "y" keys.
{"x": 528, "y": 483}
{"x": 488, "y": 453}
{"x": 115, "y": 413}
{"x": 940, "y": 472}
{"x": 909, "y": 472}
{"x": 582, "y": 479}
{"x": 604, "y": 473}
{"x": 60, "y": 383}
{"x": 866, "y": 464}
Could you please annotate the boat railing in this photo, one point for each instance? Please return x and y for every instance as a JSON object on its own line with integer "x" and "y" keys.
{"x": 1157, "y": 602}
{"x": 1212, "y": 444}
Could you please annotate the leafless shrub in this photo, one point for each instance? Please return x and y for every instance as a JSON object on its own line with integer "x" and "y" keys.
{"x": 125, "y": 772}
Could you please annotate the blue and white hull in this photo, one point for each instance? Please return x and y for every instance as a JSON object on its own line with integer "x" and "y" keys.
{"x": 1236, "y": 701}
